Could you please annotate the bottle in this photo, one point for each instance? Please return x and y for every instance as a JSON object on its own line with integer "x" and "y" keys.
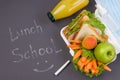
{"x": 66, "y": 8}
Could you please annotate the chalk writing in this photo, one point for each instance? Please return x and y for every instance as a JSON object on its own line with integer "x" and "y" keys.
{"x": 18, "y": 55}
{"x": 32, "y": 53}
{"x": 56, "y": 51}
{"x": 16, "y": 34}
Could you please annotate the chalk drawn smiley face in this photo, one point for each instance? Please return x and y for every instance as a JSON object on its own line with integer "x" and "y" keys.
{"x": 48, "y": 51}
{"x": 43, "y": 70}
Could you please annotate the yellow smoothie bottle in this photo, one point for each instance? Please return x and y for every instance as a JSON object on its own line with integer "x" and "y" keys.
{"x": 66, "y": 8}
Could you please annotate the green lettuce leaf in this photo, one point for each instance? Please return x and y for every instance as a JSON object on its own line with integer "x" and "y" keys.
{"x": 73, "y": 22}
{"x": 74, "y": 29}
{"x": 101, "y": 70}
{"x": 88, "y": 53}
{"x": 95, "y": 22}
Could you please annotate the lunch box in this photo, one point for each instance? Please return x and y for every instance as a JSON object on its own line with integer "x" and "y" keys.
{"x": 109, "y": 19}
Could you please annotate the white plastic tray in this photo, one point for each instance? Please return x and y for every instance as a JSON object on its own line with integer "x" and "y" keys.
{"x": 67, "y": 42}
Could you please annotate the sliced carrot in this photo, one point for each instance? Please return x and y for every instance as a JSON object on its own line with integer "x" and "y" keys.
{"x": 75, "y": 41}
{"x": 80, "y": 64}
{"x": 89, "y": 65}
{"x": 87, "y": 61}
{"x": 77, "y": 55}
{"x": 74, "y": 47}
{"x": 83, "y": 59}
{"x": 93, "y": 71}
{"x": 106, "y": 68}
{"x": 86, "y": 70}
{"x": 96, "y": 71}
{"x": 94, "y": 64}
{"x": 94, "y": 67}
{"x": 75, "y": 44}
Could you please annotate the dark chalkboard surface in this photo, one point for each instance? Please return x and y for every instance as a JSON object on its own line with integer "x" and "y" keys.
{"x": 31, "y": 47}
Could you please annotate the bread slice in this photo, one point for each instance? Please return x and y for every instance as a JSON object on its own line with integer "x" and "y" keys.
{"x": 80, "y": 21}
{"x": 87, "y": 29}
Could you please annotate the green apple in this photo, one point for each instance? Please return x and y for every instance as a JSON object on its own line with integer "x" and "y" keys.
{"x": 105, "y": 52}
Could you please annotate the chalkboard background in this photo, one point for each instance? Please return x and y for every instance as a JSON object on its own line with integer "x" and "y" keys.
{"x": 31, "y": 47}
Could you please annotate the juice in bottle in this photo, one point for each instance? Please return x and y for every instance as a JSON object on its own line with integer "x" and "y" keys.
{"x": 66, "y": 8}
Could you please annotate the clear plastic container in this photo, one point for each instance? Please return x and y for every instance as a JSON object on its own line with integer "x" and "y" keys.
{"x": 108, "y": 13}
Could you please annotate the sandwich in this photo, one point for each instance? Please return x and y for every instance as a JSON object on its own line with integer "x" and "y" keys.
{"x": 85, "y": 24}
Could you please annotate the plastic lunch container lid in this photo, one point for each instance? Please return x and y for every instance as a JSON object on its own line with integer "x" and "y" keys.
{"x": 108, "y": 13}
{"x": 110, "y": 21}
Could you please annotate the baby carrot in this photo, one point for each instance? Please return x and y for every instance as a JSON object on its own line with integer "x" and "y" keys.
{"x": 77, "y": 54}
{"x": 106, "y": 68}
{"x": 94, "y": 64}
{"x": 87, "y": 61}
{"x": 80, "y": 64}
{"x": 74, "y": 47}
{"x": 83, "y": 59}
{"x": 89, "y": 65}
{"x": 86, "y": 70}
{"x": 93, "y": 70}
{"x": 96, "y": 71}
{"x": 75, "y": 41}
